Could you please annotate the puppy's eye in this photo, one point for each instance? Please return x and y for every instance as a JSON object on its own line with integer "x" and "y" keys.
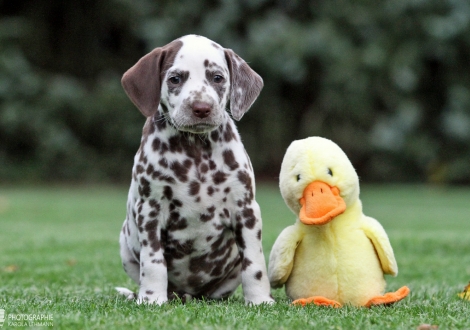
{"x": 330, "y": 172}
{"x": 218, "y": 79}
{"x": 175, "y": 80}
{"x": 298, "y": 177}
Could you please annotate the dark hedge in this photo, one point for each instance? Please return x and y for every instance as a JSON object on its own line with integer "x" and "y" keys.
{"x": 389, "y": 81}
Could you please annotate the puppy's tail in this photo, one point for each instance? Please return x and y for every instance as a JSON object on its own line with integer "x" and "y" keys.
{"x": 126, "y": 293}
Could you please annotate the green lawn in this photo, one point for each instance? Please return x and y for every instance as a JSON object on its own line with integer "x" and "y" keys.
{"x": 59, "y": 255}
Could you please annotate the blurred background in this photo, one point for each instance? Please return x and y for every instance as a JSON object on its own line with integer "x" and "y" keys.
{"x": 389, "y": 81}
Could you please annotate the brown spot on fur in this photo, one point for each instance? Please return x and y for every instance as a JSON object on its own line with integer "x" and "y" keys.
{"x": 180, "y": 249}
{"x": 212, "y": 165}
{"x": 175, "y": 144}
{"x": 144, "y": 187}
{"x": 163, "y": 148}
{"x": 199, "y": 264}
{"x": 204, "y": 168}
{"x": 156, "y": 175}
{"x": 208, "y": 216}
{"x": 156, "y": 144}
{"x": 181, "y": 169}
{"x": 210, "y": 190}
{"x": 221, "y": 251}
{"x": 139, "y": 169}
{"x": 154, "y": 204}
{"x": 250, "y": 219}
{"x": 150, "y": 169}
{"x": 163, "y": 162}
{"x": 175, "y": 222}
{"x": 245, "y": 179}
{"x": 219, "y": 177}
{"x": 143, "y": 157}
{"x": 168, "y": 192}
{"x": 246, "y": 263}
{"x": 165, "y": 178}
{"x": 140, "y": 220}
{"x": 151, "y": 229}
{"x": 194, "y": 187}
{"x": 155, "y": 244}
{"x": 229, "y": 134}
{"x": 217, "y": 243}
{"x": 229, "y": 159}
{"x": 215, "y": 136}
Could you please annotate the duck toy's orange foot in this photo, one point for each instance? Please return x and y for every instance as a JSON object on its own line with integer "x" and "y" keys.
{"x": 389, "y": 298}
{"x": 317, "y": 300}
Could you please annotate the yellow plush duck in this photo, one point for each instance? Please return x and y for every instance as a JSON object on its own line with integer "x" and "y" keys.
{"x": 334, "y": 254}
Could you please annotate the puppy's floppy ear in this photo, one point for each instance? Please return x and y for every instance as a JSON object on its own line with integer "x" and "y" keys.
{"x": 245, "y": 83}
{"x": 142, "y": 82}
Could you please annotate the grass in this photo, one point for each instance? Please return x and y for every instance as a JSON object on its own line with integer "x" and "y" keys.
{"x": 59, "y": 255}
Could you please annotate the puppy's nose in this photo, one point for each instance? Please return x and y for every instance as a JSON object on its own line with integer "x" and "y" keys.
{"x": 201, "y": 109}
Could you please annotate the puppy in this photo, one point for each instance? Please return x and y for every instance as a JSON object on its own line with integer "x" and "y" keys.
{"x": 193, "y": 226}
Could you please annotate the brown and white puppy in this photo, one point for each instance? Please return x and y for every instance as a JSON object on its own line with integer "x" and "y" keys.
{"x": 193, "y": 227}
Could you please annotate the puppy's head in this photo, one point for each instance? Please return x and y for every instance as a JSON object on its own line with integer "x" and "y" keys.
{"x": 191, "y": 80}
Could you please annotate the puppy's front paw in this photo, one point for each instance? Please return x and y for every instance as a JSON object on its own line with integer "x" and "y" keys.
{"x": 260, "y": 300}
{"x": 148, "y": 297}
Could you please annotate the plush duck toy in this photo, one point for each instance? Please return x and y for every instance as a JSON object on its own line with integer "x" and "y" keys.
{"x": 334, "y": 254}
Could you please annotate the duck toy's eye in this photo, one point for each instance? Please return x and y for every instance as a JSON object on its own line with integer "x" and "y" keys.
{"x": 330, "y": 172}
{"x": 298, "y": 177}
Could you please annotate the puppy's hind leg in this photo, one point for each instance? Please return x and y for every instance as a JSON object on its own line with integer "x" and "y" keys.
{"x": 130, "y": 264}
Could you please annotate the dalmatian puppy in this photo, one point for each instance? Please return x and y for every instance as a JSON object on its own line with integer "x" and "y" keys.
{"x": 193, "y": 226}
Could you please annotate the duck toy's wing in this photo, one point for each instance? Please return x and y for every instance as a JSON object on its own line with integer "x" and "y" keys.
{"x": 281, "y": 259}
{"x": 375, "y": 232}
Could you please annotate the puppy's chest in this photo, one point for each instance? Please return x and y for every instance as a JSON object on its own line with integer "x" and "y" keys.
{"x": 197, "y": 184}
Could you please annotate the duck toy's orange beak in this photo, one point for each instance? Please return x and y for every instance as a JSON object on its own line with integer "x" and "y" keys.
{"x": 321, "y": 203}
